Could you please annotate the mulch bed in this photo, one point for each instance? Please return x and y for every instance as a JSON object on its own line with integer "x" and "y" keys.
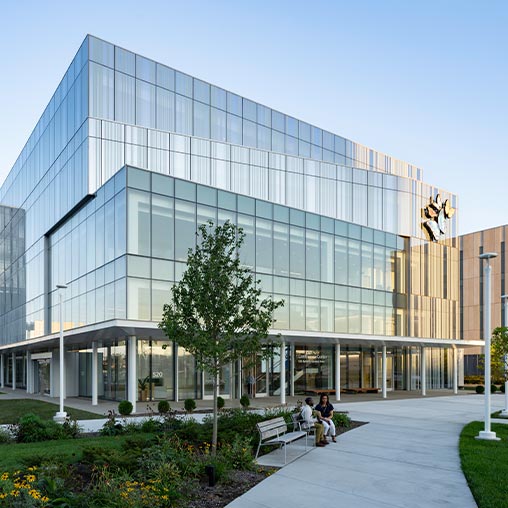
{"x": 223, "y": 493}
{"x": 239, "y": 483}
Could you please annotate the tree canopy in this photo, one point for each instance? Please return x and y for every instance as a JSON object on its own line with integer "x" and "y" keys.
{"x": 498, "y": 352}
{"x": 216, "y": 311}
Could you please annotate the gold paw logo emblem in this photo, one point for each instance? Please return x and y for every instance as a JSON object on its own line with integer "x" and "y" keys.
{"x": 437, "y": 214}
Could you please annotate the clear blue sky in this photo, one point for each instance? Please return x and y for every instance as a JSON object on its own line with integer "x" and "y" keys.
{"x": 423, "y": 81}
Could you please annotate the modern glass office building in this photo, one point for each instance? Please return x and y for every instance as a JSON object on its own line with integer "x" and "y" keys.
{"x": 130, "y": 157}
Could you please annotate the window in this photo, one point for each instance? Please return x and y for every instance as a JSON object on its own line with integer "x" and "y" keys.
{"x": 138, "y": 222}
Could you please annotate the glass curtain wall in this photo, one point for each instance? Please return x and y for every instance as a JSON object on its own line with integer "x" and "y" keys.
{"x": 130, "y": 88}
{"x": 314, "y": 368}
{"x": 323, "y": 269}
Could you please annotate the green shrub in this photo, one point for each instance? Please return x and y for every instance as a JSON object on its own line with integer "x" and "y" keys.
{"x": 111, "y": 427}
{"x": 193, "y": 432}
{"x": 238, "y": 453}
{"x": 70, "y": 428}
{"x": 172, "y": 450}
{"x": 244, "y": 401}
{"x": 493, "y": 388}
{"x": 32, "y": 428}
{"x": 235, "y": 423}
{"x": 276, "y": 412}
{"x": 220, "y": 402}
{"x": 124, "y": 460}
{"x": 125, "y": 407}
{"x": 150, "y": 426}
{"x": 189, "y": 405}
{"x": 480, "y": 389}
{"x": 502, "y": 388}
{"x": 341, "y": 420}
{"x": 163, "y": 407}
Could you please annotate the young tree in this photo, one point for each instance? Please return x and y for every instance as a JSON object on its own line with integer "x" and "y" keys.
{"x": 498, "y": 352}
{"x": 216, "y": 311}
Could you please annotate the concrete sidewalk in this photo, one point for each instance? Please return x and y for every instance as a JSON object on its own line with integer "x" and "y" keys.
{"x": 407, "y": 456}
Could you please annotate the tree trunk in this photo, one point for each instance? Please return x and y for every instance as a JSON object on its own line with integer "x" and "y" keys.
{"x": 214, "y": 432}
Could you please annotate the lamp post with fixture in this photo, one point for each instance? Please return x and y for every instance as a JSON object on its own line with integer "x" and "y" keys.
{"x": 487, "y": 256}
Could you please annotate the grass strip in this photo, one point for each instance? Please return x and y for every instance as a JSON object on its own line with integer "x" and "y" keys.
{"x": 485, "y": 464}
{"x": 11, "y": 410}
{"x": 20, "y": 455}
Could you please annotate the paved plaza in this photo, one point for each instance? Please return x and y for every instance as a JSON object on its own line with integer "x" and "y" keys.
{"x": 407, "y": 456}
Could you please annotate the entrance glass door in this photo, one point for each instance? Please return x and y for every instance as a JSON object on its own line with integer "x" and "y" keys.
{"x": 224, "y": 384}
{"x": 261, "y": 382}
{"x": 42, "y": 377}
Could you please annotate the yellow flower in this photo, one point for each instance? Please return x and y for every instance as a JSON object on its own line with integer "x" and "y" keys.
{"x": 30, "y": 478}
{"x": 5, "y": 476}
{"x": 15, "y": 493}
{"x": 45, "y": 499}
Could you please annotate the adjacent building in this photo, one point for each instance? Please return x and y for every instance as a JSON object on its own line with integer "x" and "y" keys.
{"x": 131, "y": 156}
{"x": 472, "y": 246}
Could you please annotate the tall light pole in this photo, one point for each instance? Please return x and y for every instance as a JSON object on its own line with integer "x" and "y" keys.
{"x": 61, "y": 415}
{"x": 487, "y": 256}
{"x": 504, "y": 299}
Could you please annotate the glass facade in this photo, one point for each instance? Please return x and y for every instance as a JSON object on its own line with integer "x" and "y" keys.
{"x": 131, "y": 156}
{"x": 131, "y": 89}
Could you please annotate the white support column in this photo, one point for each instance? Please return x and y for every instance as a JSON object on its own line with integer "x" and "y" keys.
{"x": 423, "y": 366}
{"x": 52, "y": 370}
{"x": 456, "y": 372}
{"x": 2, "y": 370}
{"x": 61, "y": 414}
{"x": 239, "y": 364}
{"x": 408, "y": 368}
{"x": 29, "y": 373}
{"x": 175, "y": 355}
{"x": 376, "y": 369}
{"x": 13, "y": 356}
{"x": 132, "y": 381}
{"x": 337, "y": 372}
{"x": 383, "y": 373}
{"x": 283, "y": 372}
{"x": 95, "y": 384}
{"x": 292, "y": 371}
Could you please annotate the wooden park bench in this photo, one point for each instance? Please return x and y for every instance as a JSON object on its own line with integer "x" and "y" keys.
{"x": 326, "y": 391}
{"x": 360, "y": 390}
{"x": 275, "y": 432}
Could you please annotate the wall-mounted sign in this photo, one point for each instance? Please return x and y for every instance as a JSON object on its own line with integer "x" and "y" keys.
{"x": 437, "y": 213}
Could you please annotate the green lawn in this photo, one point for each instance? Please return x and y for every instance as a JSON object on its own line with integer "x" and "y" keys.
{"x": 19, "y": 455}
{"x": 485, "y": 465}
{"x": 11, "y": 410}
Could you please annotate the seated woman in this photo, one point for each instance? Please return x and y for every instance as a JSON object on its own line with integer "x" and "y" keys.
{"x": 326, "y": 411}
{"x": 310, "y": 420}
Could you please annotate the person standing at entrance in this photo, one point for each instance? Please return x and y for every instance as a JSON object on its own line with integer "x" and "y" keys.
{"x": 326, "y": 411}
{"x": 250, "y": 384}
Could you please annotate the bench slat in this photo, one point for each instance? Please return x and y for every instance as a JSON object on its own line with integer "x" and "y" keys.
{"x": 275, "y": 431}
